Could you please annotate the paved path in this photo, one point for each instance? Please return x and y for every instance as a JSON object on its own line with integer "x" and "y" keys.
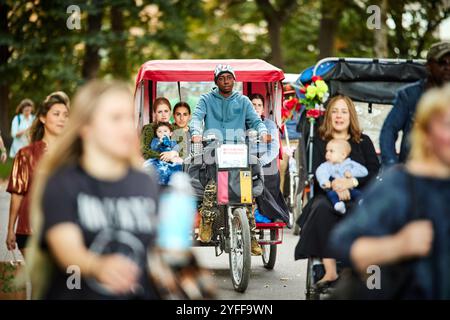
{"x": 285, "y": 282}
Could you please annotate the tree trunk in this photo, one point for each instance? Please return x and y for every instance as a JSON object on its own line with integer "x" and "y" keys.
{"x": 275, "y": 19}
{"x": 5, "y": 104}
{"x": 91, "y": 61}
{"x": 327, "y": 37}
{"x": 118, "y": 47}
{"x": 381, "y": 35}
{"x": 5, "y": 53}
{"x": 329, "y": 23}
{"x": 397, "y": 9}
{"x": 274, "y": 27}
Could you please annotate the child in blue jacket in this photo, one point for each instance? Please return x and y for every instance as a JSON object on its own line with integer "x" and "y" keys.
{"x": 338, "y": 165}
{"x": 162, "y": 143}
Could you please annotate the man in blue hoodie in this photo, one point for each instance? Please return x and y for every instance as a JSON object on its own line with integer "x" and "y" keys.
{"x": 226, "y": 114}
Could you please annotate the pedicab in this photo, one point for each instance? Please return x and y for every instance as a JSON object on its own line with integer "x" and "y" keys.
{"x": 369, "y": 81}
{"x": 232, "y": 168}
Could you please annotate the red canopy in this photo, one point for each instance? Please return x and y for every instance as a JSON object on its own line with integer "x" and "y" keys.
{"x": 246, "y": 70}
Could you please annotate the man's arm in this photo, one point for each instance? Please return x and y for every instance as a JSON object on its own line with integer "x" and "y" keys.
{"x": 395, "y": 122}
{"x": 196, "y": 123}
{"x": 273, "y": 148}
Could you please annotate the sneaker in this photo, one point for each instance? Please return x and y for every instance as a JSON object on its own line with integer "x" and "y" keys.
{"x": 205, "y": 230}
{"x": 260, "y": 218}
{"x": 340, "y": 207}
{"x": 256, "y": 248}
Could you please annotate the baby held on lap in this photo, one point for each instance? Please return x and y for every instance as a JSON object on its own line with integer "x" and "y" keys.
{"x": 339, "y": 165}
{"x": 162, "y": 143}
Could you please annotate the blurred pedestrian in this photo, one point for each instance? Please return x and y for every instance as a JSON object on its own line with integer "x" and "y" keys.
{"x": 406, "y": 217}
{"x": 48, "y": 125}
{"x": 20, "y": 126}
{"x": 94, "y": 209}
{"x": 4, "y": 154}
{"x": 401, "y": 116}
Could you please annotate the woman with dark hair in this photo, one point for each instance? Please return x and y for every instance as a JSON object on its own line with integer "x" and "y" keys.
{"x": 161, "y": 113}
{"x": 182, "y": 116}
{"x": 20, "y": 126}
{"x": 48, "y": 125}
{"x": 319, "y": 216}
{"x": 271, "y": 203}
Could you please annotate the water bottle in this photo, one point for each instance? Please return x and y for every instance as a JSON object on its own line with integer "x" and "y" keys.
{"x": 176, "y": 218}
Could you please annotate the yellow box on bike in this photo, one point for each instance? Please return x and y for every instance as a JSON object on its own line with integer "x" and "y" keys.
{"x": 234, "y": 186}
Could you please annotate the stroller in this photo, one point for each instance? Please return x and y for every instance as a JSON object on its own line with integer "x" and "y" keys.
{"x": 371, "y": 84}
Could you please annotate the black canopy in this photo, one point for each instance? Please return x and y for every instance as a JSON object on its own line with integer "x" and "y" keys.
{"x": 367, "y": 80}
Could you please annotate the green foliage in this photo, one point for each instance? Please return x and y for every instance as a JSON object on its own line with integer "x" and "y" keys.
{"x": 47, "y": 56}
{"x": 8, "y": 272}
{"x": 5, "y": 169}
{"x": 300, "y": 37}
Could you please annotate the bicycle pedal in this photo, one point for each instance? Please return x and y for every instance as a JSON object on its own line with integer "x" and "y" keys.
{"x": 217, "y": 249}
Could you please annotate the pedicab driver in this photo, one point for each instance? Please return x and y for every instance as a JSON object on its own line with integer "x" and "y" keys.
{"x": 226, "y": 114}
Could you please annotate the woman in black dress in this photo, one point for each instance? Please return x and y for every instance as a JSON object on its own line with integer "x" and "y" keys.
{"x": 405, "y": 217}
{"x": 319, "y": 217}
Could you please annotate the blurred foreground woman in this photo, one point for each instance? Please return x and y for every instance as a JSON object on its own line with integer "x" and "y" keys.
{"x": 94, "y": 211}
{"x": 403, "y": 223}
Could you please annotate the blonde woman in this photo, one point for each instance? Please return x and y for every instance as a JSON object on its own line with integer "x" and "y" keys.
{"x": 406, "y": 216}
{"x": 94, "y": 210}
{"x": 20, "y": 126}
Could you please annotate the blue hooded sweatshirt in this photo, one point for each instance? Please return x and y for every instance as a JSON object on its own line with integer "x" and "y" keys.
{"x": 223, "y": 116}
